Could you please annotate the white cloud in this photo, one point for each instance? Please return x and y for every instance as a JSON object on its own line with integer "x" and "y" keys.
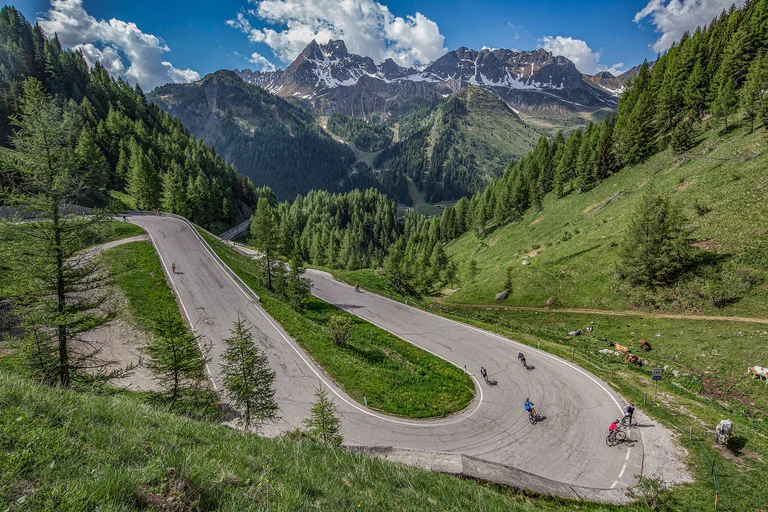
{"x": 672, "y": 18}
{"x": 261, "y": 62}
{"x": 579, "y": 53}
{"x": 367, "y": 27}
{"x": 119, "y": 41}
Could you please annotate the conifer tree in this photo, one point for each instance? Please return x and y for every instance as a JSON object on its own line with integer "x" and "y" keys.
{"x": 323, "y": 424}
{"x": 751, "y": 93}
{"x": 178, "y": 360}
{"x": 656, "y": 247}
{"x": 59, "y": 290}
{"x": 725, "y": 102}
{"x": 695, "y": 92}
{"x": 91, "y": 163}
{"x": 248, "y": 379}
{"x": 682, "y": 137}
{"x": 264, "y": 234}
{"x": 144, "y": 182}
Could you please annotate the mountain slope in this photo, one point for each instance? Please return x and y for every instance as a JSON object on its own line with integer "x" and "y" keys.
{"x": 269, "y": 140}
{"x": 573, "y": 244}
{"x": 457, "y": 148}
{"x": 329, "y": 79}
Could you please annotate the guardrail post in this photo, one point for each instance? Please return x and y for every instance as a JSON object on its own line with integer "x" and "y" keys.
{"x": 573, "y": 353}
{"x": 690, "y": 432}
{"x": 717, "y": 499}
{"x": 538, "y": 343}
{"x": 645, "y": 398}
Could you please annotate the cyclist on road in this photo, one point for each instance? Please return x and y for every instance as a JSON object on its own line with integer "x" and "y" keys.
{"x": 629, "y": 410}
{"x": 614, "y": 426}
{"x": 484, "y": 373}
{"x": 521, "y": 358}
{"x": 173, "y": 267}
{"x": 528, "y": 405}
{"x": 357, "y": 287}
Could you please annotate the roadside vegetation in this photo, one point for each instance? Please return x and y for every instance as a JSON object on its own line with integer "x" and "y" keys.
{"x": 392, "y": 375}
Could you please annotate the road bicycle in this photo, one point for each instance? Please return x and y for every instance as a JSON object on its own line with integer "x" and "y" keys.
{"x": 625, "y": 422}
{"x": 615, "y": 437}
{"x": 532, "y": 416}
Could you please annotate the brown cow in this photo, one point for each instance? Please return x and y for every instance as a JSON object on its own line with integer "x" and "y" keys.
{"x": 632, "y": 359}
{"x": 645, "y": 345}
{"x": 622, "y": 348}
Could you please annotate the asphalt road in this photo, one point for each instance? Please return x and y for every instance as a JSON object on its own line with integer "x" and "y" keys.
{"x": 568, "y": 445}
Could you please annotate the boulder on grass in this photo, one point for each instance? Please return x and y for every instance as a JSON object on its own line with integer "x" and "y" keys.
{"x": 551, "y": 301}
{"x": 503, "y": 295}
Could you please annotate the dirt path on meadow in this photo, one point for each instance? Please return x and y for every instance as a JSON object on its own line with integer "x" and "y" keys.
{"x": 618, "y": 312}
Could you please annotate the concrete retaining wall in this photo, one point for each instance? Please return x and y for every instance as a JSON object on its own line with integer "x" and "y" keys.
{"x": 472, "y": 467}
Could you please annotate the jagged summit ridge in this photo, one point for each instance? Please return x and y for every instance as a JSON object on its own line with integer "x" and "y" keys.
{"x": 329, "y": 78}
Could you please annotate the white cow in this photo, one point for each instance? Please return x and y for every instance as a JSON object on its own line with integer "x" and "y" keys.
{"x": 759, "y": 372}
{"x": 723, "y": 431}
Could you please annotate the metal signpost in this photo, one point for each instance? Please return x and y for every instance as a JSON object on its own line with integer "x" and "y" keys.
{"x": 656, "y": 376}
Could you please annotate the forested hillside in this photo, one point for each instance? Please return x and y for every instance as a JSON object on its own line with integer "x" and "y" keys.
{"x": 269, "y": 140}
{"x": 459, "y": 147}
{"x": 123, "y": 143}
{"x": 706, "y": 79}
{"x": 365, "y": 136}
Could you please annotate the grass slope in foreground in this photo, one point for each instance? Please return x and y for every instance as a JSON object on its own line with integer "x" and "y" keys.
{"x": 393, "y": 375}
{"x": 573, "y": 243}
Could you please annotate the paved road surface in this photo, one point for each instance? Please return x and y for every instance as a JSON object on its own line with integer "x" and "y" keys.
{"x": 567, "y": 446}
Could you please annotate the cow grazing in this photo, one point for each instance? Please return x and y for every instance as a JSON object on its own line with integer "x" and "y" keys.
{"x": 632, "y": 359}
{"x": 723, "y": 431}
{"x": 645, "y": 345}
{"x": 622, "y": 348}
{"x": 759, "y": 372}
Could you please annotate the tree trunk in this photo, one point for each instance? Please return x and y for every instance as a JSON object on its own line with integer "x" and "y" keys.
{"x": 64, "y": 376}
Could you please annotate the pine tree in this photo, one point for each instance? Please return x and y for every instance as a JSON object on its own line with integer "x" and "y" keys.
{"x": 683, "y": 137}
{"x": 60, "y": 290}
{"x": 264, "y": 234}
{"x": 725, "y": 102}
{"x": 695, "y": 92}
{"x": 178, "y": 360}
{"x": 656, "y": 247}
{"x": 297, "y": 287}
{"x": 91, "y": 164}
{"x": 248, "y": 379}
{"x": 144, "y": 182}
{"x": 323, "y": 424}
{"x": 752, "y": 91}
{"x": 175, "y": 192}
{"x": 472, "y": 271}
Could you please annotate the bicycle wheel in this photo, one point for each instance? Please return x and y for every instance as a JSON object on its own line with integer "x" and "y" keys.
{"x": 532, "y": 417}
{"x": 610, "y": 439}
{"x": 620, "y": 435}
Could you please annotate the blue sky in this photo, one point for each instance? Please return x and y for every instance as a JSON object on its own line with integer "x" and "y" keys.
{"x": 180, "y": 41}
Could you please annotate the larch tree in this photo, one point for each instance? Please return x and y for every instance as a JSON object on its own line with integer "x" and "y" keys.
{"x": 59, "y": 289}
{"x": 248, "y": 378}
{"x": 323, "y": 423}
{"x": 265, "y": 235}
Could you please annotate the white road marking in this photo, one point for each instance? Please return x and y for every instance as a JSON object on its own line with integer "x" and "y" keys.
{"x": 176, "y": 291}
